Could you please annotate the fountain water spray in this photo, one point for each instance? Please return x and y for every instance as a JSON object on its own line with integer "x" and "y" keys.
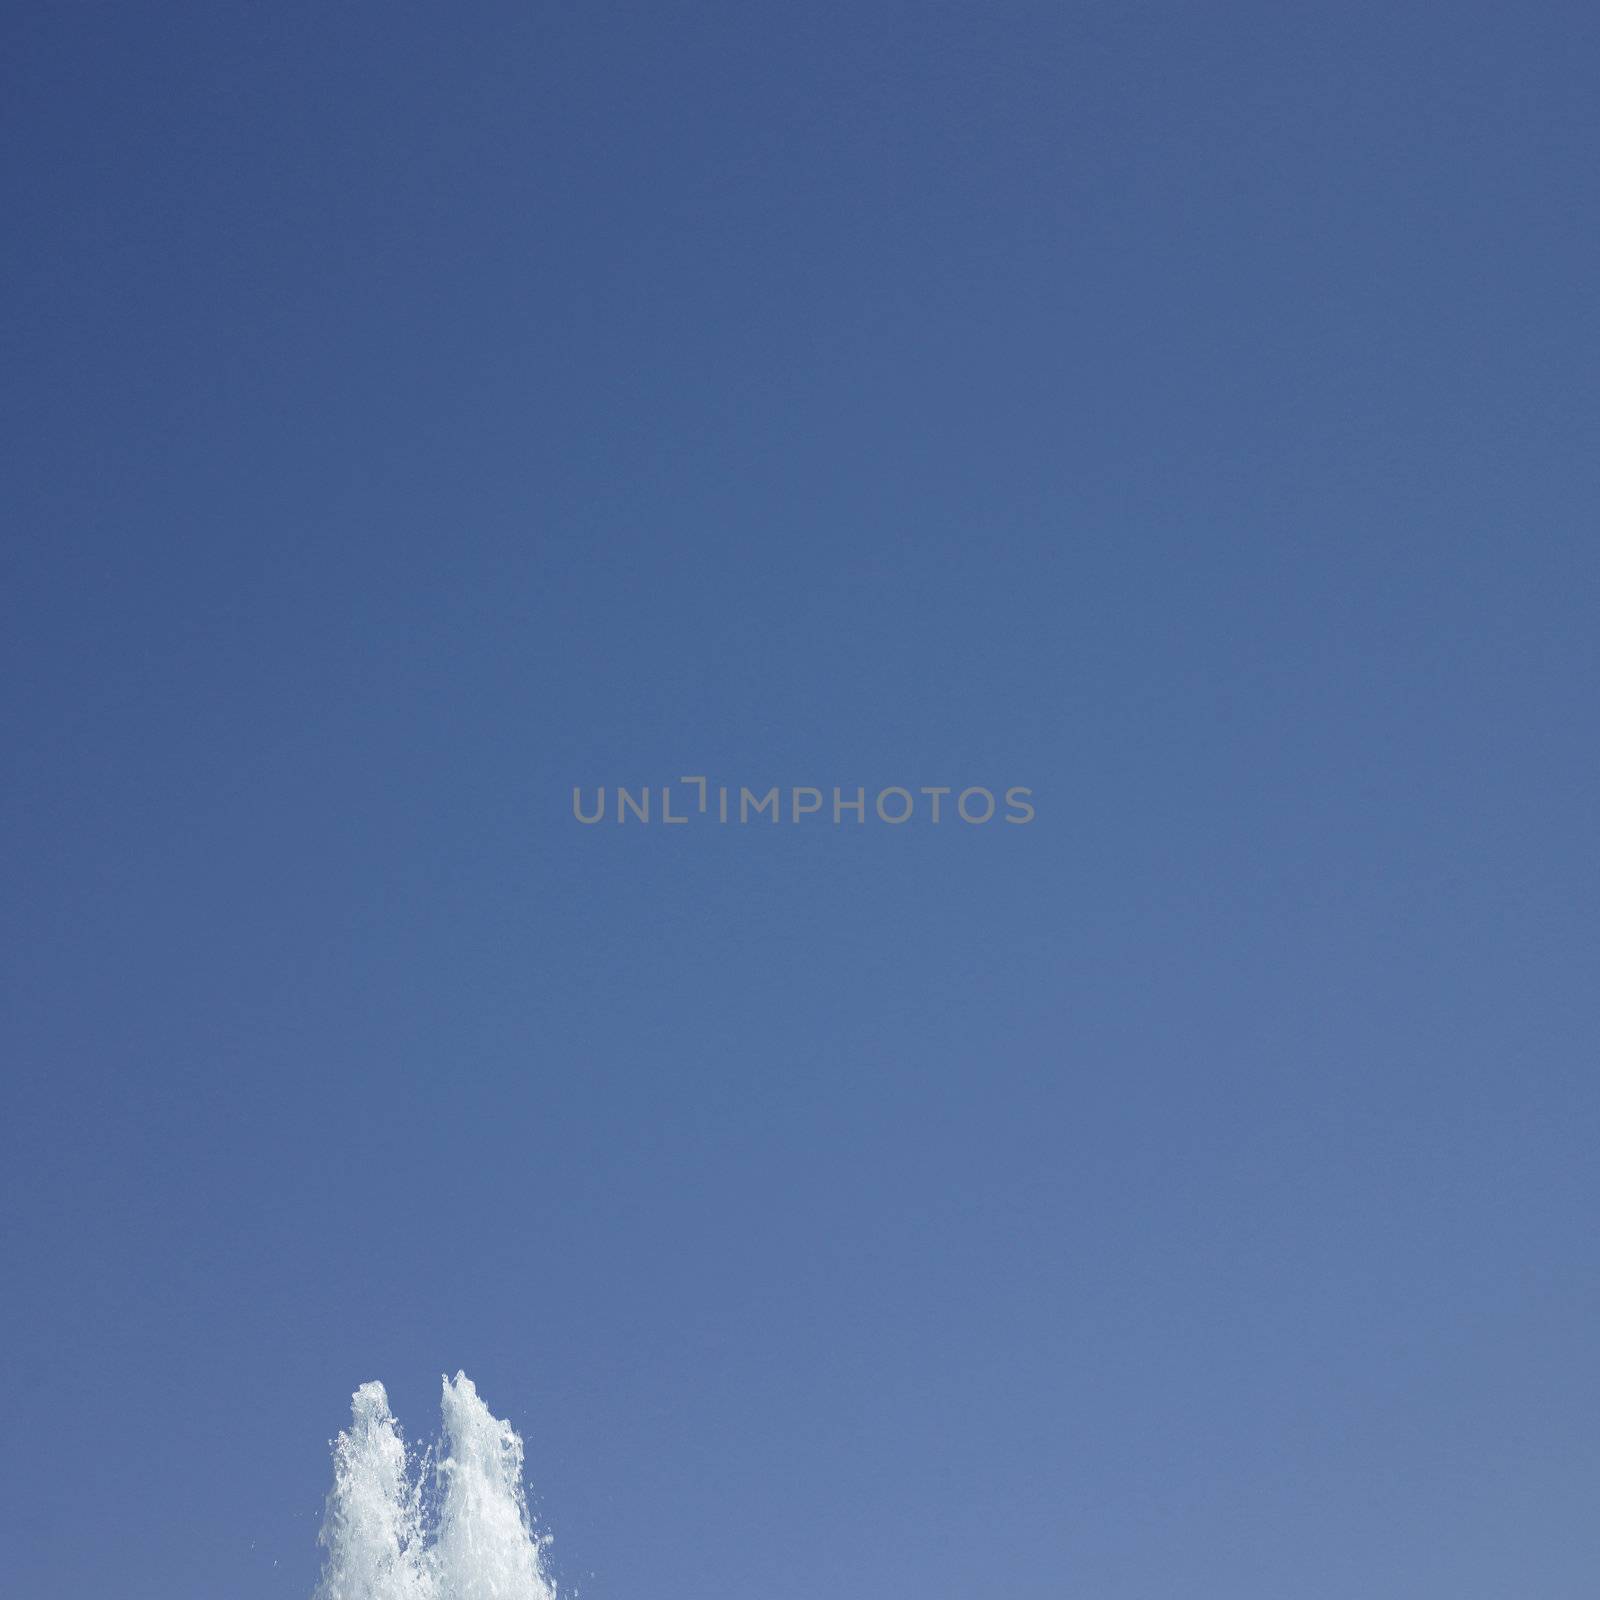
{"x": 448, "y": 1523}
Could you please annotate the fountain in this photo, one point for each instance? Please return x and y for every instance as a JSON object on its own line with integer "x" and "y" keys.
{"x": 447, "y": 1523}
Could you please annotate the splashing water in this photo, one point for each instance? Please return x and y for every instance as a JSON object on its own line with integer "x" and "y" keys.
{"x": 449, "y": 1523}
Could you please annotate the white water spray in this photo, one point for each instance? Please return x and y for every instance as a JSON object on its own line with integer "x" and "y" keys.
{"x": 444, "y": 1524}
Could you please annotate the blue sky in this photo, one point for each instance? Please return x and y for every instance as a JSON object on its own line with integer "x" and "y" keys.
{"x": 1186, "y": 412}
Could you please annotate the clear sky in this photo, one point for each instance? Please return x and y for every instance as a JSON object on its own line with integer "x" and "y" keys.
{"x": 1188, "y": 412}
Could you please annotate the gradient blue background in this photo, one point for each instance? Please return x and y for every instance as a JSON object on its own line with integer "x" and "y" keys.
{"x": 1189, "y": 412}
